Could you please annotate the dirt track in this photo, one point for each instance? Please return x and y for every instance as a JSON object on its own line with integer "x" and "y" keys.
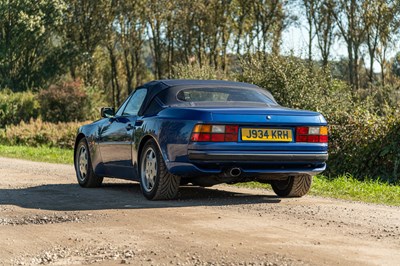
{"x": 46, "y": 218}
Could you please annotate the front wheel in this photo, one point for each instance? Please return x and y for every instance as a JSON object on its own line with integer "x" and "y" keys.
{"x": 293, "y": 186}
{"x": 156, "y": 182}
{"x": 83, "y": 166}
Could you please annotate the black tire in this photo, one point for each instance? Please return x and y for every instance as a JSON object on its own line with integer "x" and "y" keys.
{"x": 293, "y": 186}
{"x": 83, "y": 167}
{"x": 156, "y": 182}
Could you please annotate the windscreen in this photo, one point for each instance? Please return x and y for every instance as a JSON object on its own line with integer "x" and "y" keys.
{"x": 221, "y": 96}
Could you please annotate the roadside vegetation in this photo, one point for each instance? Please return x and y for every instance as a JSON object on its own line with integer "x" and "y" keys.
{"x": 38, "y": 154}
{"x": 347, "y": 187}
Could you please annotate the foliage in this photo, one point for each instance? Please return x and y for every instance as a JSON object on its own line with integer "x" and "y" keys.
{"x": 396, "y": 65}
{"x": 17, "y": 107}
{"x": 30, "y": 53}
{"x": 365, "y": 144}
{"x": 118, "y": 45}
{"x": 37, "y": 133}
{"x": 96, "y": 100}
{"x": 293, "y": 83}
{"x": 38, "y": 154}
{"x": 64, "y": 103}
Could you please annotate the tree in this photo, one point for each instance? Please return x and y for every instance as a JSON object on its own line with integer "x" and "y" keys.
{"x": 31, "y": 53}
{"x": 324, "y": 28}
{"x": 379, "y": 18}
{"x": 129, "y": 28}
{"x": 155, "y": 21}
{"x": 388, "y": 36}
{"x": 310, "y": 10}
{"x": 349, "y": 20}
{"x": 396, "y": 65}
{"x": 84, "y": 25}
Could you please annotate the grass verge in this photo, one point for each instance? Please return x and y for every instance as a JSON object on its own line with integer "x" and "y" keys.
{"x": 348, "y": 188}
{"x": 39, "y": 154}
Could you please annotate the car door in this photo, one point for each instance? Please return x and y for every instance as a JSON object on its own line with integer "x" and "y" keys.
{"x": 116, "y": 137}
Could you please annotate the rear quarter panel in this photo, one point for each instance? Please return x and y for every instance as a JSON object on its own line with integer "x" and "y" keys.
{"x": 172, "y": 129}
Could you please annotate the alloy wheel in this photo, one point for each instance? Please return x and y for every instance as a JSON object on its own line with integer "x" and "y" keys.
{"x": 149, "y": 169}
{"x": 83, "y": 163}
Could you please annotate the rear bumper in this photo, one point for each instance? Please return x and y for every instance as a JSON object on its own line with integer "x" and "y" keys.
{"x": 252, "y": 163}
{"x": 192, "y": 170}
{"x": 287, "y": 157}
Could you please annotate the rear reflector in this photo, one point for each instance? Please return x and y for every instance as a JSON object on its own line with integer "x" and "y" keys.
{"x": 215, "y": 133}
{"x": 312, "y": 134}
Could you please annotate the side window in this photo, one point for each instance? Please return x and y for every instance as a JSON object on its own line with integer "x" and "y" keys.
{"x": 135, "y": 102}
{"x": 122, "y": 107}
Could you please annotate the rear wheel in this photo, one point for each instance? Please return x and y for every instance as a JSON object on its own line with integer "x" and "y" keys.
{"x": 83, "y": 166}
{"x": 156, "y": 182}
{"x": 293, "y": 186}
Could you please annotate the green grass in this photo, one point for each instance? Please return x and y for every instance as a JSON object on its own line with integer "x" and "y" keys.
{"x": 348, "y": 188}
{"x": 40, "y": 154}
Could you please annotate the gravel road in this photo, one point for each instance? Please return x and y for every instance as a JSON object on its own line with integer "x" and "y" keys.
{"x": 46, "y": 218}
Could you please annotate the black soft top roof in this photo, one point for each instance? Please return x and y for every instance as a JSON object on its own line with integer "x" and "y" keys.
{"x": 189, "y": 82}
{"x": 157, "y": 86}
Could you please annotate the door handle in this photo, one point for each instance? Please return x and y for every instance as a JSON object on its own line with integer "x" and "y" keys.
{"x": 129, "y": 127}
{"x": 138, "y": 123}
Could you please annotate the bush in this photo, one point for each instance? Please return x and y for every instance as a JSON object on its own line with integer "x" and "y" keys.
{"x": 38, "y": 133}
{"x": 64, "y": 103}
{"x": 17, "y": 107}
{"x": 293, "y": 83}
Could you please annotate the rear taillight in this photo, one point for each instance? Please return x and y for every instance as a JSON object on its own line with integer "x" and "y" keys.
{"x": 312, "y": 134}
{"x": 215, "y": 133}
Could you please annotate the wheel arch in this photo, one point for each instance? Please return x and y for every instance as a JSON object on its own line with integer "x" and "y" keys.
{"x": 143, "y": 142}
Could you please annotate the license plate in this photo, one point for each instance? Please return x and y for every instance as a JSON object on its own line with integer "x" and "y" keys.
{"x": 267, "y": 134}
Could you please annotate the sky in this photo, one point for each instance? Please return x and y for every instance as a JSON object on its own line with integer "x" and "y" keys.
{"x": 295, "y": 39}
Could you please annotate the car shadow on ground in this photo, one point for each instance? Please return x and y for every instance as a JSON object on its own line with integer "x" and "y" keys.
{"x": 71, "y": 197}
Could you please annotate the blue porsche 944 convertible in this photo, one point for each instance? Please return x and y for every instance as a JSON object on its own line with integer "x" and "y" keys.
{"x": 169, "y": 133}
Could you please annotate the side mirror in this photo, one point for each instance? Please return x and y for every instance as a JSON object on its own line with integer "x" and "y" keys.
{"x": 107, "y": 112}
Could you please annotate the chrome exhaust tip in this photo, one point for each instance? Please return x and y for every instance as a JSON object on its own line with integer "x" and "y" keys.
{"x": 235, "y": 172}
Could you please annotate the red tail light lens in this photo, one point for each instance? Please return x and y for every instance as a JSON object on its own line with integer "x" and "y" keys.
{"x": 231, "y": 129}
{"x": 215, "y": 133}
{"x": 312, "y": 134}
{"x": 323, "y": 139}
{"x": 217, "y": 137}
{"x": 201, "y": 137}
{"x": 302, "y": 131}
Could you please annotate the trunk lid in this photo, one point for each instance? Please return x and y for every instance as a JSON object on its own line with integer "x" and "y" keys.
{"x": 277, "y": 116}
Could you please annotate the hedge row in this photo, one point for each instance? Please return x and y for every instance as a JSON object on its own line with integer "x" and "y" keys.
{"x": 38, "y": 133}
{"x": 65, "y": 102}
{"x": 17, "y": 107}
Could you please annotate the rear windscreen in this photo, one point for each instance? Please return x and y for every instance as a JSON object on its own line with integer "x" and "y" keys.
{"x": 227, "y": 95}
